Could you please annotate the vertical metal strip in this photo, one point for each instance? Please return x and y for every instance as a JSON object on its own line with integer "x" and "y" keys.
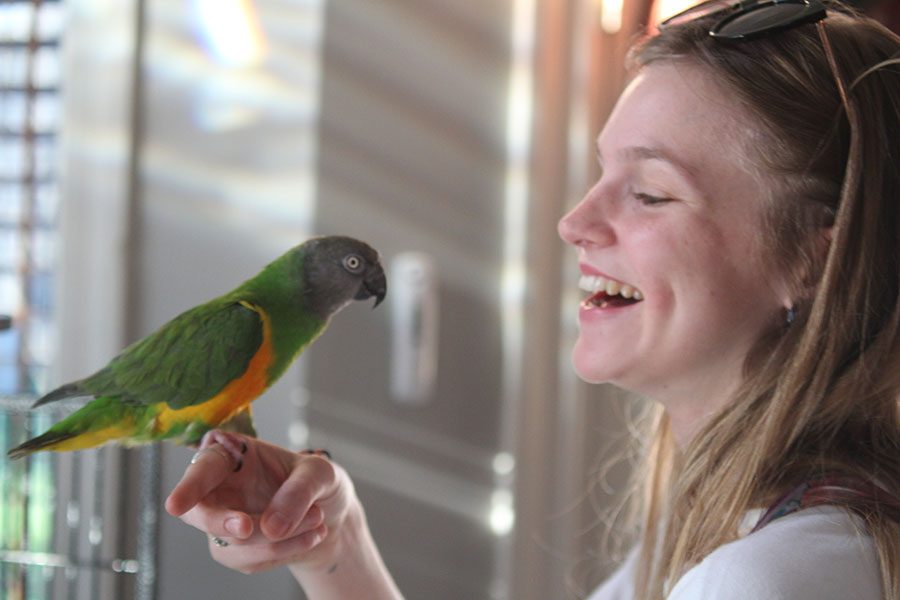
{"x": 96, "y": 522}
{"x": 73, "y": 519}
{"x": 515, "y": 279}
{"x": 151, "y": 456}
{"x": 148, "y": 528}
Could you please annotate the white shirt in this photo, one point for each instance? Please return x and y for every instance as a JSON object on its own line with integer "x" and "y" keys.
{"x": 820, "y": 553}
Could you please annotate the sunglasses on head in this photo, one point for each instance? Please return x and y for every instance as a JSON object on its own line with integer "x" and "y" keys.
{"x": 749, "y": 19}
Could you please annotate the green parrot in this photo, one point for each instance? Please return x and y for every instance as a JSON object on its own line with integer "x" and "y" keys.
{"x": 201, "y": 370}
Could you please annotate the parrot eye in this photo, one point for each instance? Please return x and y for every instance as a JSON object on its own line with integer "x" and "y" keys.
{"x": 353, "y": 263}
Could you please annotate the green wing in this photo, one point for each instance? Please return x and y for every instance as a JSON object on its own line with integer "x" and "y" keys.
{"x": 187, "y": 361}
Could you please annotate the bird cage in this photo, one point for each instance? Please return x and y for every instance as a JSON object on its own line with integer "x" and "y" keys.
{"x": 66, "y": 529}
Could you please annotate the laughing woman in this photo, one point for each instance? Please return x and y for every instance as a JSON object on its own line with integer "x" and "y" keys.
{"x": 741, "y": 249}
{"x": 751, "y": 194}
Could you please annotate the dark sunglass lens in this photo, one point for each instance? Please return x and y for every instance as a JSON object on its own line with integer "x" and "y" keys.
{"x": 698, "y": 11}
{"x": 768, "y": 17}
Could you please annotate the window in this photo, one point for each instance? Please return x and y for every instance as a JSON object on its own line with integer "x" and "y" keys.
{"x": 29, "y": 118}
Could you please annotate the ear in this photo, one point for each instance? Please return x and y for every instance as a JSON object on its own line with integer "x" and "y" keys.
{"x": 789, "y": 295}
{"x": 786, "y": 294}
{"x": 823, "y": 242}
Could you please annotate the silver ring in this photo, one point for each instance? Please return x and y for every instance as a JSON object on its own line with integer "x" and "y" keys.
{"x": 219, "y": 542}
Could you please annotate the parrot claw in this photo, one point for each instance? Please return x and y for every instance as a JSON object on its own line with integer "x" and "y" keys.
{"x": 230, "y": 442}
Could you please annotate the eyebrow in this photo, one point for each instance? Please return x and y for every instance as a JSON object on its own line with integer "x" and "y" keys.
{"x": 636, "y": 153}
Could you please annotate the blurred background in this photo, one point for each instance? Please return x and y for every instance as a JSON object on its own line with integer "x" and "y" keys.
{"x": 156, "y": 153}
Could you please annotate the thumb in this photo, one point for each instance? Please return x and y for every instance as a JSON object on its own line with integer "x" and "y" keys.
{"x": 293, "y": 509}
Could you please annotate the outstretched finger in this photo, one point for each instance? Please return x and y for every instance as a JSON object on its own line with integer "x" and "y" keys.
{"x": 208, "y": 469}
{"x": 222, "y": 522}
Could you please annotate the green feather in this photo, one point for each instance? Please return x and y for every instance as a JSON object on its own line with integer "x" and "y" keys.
{"x": 193, "y": 357}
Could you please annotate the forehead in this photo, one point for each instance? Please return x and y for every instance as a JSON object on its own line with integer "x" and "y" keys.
{"x": 679, "y": 112}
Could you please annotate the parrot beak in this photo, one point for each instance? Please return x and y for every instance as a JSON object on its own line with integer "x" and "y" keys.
{"x": 375, "y": 284}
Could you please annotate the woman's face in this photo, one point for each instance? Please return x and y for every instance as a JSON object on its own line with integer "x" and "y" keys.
{"x": 673, "y": 222}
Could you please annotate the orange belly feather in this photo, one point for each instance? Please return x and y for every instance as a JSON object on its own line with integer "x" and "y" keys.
{"x": 235, "y": 397}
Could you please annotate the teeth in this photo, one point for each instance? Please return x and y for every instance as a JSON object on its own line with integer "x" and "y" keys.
{"x": 587, "y": 283}
{"x": 613, "y": 287}
{"x": 598, "y": 283}
{"x": 590, "y": 283}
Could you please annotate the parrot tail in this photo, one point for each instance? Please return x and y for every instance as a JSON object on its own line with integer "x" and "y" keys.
{"x": 97, "y": 422}
{"x": 41, "y": 442}
{"x": 67, "y": 391}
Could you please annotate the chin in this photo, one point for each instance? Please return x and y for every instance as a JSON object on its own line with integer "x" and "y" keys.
{"x": 589, "y": 367}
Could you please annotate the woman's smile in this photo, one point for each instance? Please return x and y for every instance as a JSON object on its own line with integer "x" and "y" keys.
{"x": 606, "y": 292}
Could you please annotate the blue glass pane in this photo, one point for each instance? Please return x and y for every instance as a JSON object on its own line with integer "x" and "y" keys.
{"x": 41, "y": 292}
{"x": 10, "y": 204}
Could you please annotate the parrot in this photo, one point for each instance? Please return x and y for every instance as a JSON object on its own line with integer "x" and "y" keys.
{"x": 199, "y": 372}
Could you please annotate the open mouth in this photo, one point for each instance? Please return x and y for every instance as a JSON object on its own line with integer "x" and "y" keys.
{"x": 609, "y": 293}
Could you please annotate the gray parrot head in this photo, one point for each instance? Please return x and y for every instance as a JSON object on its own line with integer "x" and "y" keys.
{"x": 339, "y": 269}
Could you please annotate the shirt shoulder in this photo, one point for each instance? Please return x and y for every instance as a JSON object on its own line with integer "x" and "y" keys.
{"x": 620, "y": 585}
{"x": 820, "y": 553}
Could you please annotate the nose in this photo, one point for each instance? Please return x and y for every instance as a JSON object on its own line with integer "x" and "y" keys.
{"x": 586, "y": 223}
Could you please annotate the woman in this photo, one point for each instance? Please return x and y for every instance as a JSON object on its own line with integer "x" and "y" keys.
{"x": 741, "y": 251}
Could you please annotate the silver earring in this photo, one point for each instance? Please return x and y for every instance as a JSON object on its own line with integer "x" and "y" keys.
{"x": 790, "y": 315}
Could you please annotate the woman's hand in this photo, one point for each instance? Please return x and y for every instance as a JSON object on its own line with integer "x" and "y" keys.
{"x": 279, "y": 507}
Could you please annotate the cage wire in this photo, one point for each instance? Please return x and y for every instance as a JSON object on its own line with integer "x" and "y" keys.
{"x": 67, "y": 520}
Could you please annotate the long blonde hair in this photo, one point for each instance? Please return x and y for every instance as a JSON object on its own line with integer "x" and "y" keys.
{"x": 823, "y": 394}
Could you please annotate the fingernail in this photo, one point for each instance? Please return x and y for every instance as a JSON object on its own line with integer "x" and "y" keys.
{"x": 277, "y": 524}
{"x": 319, "y": 536}
{"x": 233, "y": 526}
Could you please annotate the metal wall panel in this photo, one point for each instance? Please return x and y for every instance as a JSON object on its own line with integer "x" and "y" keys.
{"x": 413, "y": 158}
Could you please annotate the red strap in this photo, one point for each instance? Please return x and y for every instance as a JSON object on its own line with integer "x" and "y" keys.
{"x": 830, "y": 489}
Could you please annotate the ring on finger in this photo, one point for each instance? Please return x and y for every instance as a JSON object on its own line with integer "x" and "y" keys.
{"x": 219, "y": 542}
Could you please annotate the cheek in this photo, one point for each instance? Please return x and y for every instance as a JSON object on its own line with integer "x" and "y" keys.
{"x": 729, "y": 297}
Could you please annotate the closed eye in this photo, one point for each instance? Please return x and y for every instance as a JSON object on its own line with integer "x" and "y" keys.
{"x": 650, "y": 200}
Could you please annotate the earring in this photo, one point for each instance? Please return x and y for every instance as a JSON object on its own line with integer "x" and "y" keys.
{"x": 790, "y": 315}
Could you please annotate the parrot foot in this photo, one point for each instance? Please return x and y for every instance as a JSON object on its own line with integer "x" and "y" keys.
{"x": 230, "y": 442}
